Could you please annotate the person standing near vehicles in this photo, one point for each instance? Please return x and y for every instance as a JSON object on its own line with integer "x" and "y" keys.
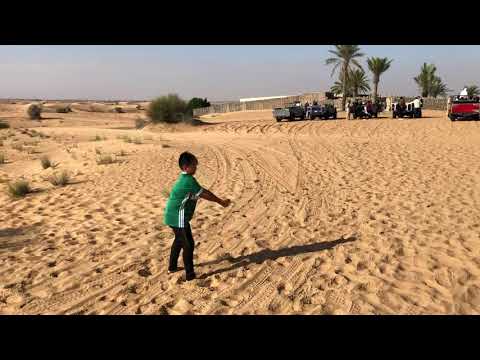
{"x": 347, "y": 109}
{"x": 417, "y": 106}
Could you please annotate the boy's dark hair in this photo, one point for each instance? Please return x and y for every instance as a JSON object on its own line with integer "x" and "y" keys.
{"x": 186, "y": 159}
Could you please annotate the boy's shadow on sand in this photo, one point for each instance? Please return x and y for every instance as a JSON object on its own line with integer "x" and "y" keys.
{"x": 267, "y": 254}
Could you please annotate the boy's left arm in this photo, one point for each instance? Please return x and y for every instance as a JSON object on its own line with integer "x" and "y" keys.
{"x": 197, "y": 190}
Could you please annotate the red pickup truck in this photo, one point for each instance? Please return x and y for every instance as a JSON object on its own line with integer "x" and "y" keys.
{"x": 464, "y": 107}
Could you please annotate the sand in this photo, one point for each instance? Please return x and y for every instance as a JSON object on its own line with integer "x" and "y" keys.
{"x": 328, "y": 217}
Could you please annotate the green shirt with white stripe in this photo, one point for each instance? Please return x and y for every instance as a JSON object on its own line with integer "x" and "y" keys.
{"x": 182, "y": 201}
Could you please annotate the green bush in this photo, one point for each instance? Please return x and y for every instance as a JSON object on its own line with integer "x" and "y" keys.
{"x": 19, "y": 188}
{"x": 4, "y": 125}
{"x": 34, "y": 112}
{"x": 196, "y": 103}
{"x": 170, "y": 109}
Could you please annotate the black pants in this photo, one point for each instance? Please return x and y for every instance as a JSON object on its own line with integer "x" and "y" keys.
{"x": 183, "y": 241}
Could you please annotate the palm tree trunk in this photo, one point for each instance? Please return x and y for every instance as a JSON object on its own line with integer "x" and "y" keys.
{"x": 344, "y": 97}
{"x": 375, "y": 89}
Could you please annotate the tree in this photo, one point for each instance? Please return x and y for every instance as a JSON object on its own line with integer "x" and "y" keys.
{"x": 337, "y": 88}
{"x": 425, "y": 78}
{"x": 345, "y": 57}
{"x": 377, "y": 66}
{"x": 168, "y": 108}
{"x": 438, "y": 88}
{"x": 472, "y": 90}
{"x": 429, "y": 83}
{"x": 358, "y": 82}
{"x": 196, "y": 103}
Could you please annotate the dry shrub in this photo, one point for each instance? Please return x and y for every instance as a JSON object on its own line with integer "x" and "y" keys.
{"x": 45, "y": 162}
{"x": 17, "y": 146}
{"x": 63, "y": 109}
{"x": 140, "y": 123}
{"x": 34, "y": 112}
{"x": 19, "y": 188}
{"x": 105, "y": 159}
{"x": 4, "y": 125}
{"x": 59, "y": 179}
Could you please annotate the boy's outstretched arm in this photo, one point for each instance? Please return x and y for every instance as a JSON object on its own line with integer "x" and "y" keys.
{"x": 207, "y": 195}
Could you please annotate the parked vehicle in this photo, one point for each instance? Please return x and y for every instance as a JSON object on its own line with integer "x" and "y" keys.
{"x": 359, "y": 111}
{"x": 323, "y": 112}
{"x": 290, "y": 112}
{"x": 463, "y": 107}
{"x": 407, "y": 111}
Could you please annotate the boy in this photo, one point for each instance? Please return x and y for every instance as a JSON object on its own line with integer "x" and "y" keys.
{"x": 179, "y": 211}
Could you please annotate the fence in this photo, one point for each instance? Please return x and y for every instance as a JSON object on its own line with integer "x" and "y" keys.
{"x": 259, "y": 104}
{"x": 428, "y": 104}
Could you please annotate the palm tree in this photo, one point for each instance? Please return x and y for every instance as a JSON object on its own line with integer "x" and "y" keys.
{"x": 337, "y": 88}
{"x": 438, "y": 88}
{"x": 377, "y": 66}
{"x": 358, "y": 82}
{"x": 429, "y": 83}
{"x": 425, "y": 79}
{"x": 345, "y": 57}
{"x": 472, "y": 90}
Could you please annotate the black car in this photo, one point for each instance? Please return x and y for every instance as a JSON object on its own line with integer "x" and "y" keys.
{"x": 290, "y": 112}
{"x": 322, "y": 112}
{"x": 359, "y": 111}
{"x": 408, "y": 110}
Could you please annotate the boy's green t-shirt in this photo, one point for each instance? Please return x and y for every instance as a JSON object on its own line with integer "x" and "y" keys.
{"x": 182, "y": 201}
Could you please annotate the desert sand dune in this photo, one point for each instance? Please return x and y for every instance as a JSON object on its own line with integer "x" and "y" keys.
{"x": 328, "y": 217}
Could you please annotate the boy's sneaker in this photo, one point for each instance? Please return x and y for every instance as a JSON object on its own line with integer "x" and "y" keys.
{"x": 191, "y": 276}
{"x": 171, "y": 271}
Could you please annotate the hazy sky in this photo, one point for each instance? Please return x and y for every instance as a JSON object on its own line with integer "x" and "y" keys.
{"x": 215, "y": 72}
